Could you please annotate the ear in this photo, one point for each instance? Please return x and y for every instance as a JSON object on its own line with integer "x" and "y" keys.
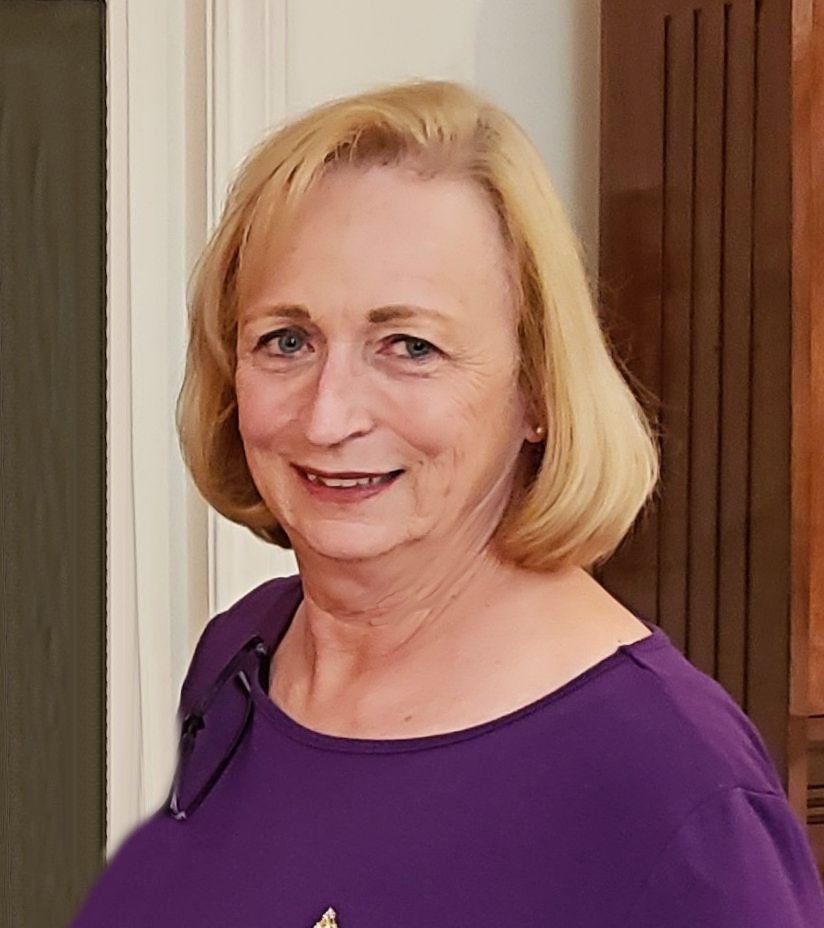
{"x": 535, "y": 436}
{"x": 530, "y": 420}
{"x": 534, "y": 428}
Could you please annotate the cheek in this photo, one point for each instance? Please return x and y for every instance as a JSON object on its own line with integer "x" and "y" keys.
{"x": 469, "y": 409}
{"x": 260, "y": 410}
{"x": 451, "y": 424}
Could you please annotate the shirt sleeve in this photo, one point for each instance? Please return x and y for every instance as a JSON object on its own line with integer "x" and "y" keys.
{"x": 739, "y": 860}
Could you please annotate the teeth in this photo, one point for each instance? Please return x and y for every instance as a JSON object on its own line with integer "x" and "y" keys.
{"x": 331, "y": 482}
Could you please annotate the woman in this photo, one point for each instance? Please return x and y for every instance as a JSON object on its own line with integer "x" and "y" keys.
{"x": 396, "y": 370}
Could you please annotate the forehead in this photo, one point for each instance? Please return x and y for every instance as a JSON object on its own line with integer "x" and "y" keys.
{"x": 386, "y": 238}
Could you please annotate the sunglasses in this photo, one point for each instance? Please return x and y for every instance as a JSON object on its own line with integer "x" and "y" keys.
{"x": 211, "y": 732}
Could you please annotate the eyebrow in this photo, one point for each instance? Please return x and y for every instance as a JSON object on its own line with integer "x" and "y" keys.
{"x": 377, "y": 316}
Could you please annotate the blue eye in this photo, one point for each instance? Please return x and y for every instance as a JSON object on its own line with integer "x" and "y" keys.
{"x": 282, "y": 335}
{"x": 411, "y": 340}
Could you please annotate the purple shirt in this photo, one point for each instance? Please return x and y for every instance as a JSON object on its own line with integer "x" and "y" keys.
{"x": 637, "y": 794}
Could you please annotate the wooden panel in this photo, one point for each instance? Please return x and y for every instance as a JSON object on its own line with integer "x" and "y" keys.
{"x": 814, "y": 791}
{"x": 630, "y": 265}
{"x": 52, "y": 467}
{"x": 814, "y": 242}
{"x": 695, "y": 258}
{"x": 705, "y": 427}
{"x": 806, "y": 773}
{"x": 736, "y": 299}
{"x": 677, "y": 180}
{"x": 811, "y": 238}
{"x": 767, "y": 696}
{"x": 808, "y": 353}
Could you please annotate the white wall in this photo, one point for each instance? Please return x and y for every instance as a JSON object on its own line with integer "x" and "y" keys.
{"x": 193, "y": 84}
{"x": 540, "y": 59}
{"x": 537, "y": 58}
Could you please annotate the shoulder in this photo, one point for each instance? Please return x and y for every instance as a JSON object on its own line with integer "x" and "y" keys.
{"x": 257, "y": 612}
{"x": 690, "y": 711}
{"x": 689, "y": 774}
{"x": 738, "y": 858}
{"x": 666, "y": 735}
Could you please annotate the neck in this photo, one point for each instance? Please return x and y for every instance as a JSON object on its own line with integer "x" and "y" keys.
{"x": 356, "y": 635}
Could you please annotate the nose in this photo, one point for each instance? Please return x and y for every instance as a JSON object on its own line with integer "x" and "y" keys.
{"x": 342, "y": 395}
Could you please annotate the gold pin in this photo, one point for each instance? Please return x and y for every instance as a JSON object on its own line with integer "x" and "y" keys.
{"x": 327, "y": 920}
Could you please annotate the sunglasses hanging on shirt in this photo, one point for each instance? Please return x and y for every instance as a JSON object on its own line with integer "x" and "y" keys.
{"x": 210, "y": 733}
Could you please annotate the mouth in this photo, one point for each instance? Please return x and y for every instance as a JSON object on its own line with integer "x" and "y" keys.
{"x": 348, "y": 491}
{"x": 347, "y": 475}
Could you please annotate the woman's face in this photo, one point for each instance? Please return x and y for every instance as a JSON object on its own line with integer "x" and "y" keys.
{"x": 320, "y": 385}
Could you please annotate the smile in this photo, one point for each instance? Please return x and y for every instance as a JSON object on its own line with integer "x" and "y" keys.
{"x": 348, "y": 482}
{"x": 345, "y": 489}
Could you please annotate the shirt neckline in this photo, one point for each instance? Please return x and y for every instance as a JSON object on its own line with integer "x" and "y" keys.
{"x": 284, "y": 613}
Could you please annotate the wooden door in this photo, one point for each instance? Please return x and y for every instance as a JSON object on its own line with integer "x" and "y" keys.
{"x": 806, "y": 768}
{"x": 695, "y": 264}
{"x": 712, "y": 285}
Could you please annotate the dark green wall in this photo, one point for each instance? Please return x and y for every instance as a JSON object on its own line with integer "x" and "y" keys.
{"x": 52, "y": 457}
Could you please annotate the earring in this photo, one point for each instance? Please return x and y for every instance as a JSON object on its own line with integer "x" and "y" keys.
{"x": 539, "y": 430}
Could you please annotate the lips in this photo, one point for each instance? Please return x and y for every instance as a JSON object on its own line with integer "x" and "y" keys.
{"x": 345, "y": 491}
{"x": 346, "y": 475}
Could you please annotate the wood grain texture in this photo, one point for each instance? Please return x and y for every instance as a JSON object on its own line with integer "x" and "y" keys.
{"x": 696, "y": 259}
{"x": 808, "y": 351}
{"x": 769, "y": 480}
{"x": 807, "y": 562}
{"x": 630, "y": 269}
{"x": 52, "y": 457}
{"x": 736, "y": 365}
{"x": 815, "y": 246}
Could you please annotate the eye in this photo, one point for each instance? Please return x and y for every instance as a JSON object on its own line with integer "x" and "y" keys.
{"x": 412, "y": 340}
{"x": 288, "y": 336}
{"x": 281, "y": 335}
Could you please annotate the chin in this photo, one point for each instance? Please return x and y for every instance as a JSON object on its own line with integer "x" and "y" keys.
{"x": 342, "y": 542}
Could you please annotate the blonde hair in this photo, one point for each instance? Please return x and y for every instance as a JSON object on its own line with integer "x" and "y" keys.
{"x": 577, "y": 493}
